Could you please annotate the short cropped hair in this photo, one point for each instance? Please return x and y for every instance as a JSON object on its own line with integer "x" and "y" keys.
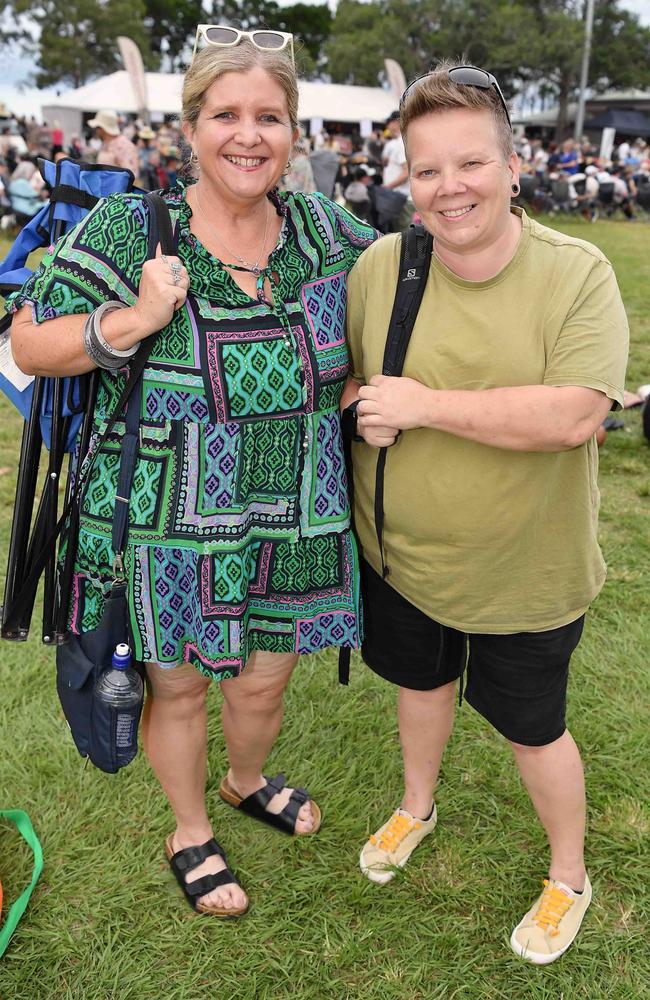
{"x": 214, "y": 61}
{"x": 436, "y": 92}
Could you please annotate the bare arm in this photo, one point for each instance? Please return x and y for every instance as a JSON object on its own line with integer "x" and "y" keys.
{"x": 55, "y": 347}
{"x": 519, "y": 418}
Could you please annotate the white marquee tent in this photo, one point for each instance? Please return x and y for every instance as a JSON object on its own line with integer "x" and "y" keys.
{"x": 318, "y": 101}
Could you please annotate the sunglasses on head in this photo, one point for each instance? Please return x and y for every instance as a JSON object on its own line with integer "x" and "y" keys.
{"x": 466, "y": 76}
{"x": 225, "y": 37}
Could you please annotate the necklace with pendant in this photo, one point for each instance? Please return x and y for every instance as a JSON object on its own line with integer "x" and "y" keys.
{"x": 252, "y": 267}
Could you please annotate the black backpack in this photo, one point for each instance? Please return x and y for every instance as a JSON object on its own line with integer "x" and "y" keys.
{"x": 415, "y": 256}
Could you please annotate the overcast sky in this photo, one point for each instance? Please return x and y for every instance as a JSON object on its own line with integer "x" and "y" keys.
{"x": 28, "y": 101}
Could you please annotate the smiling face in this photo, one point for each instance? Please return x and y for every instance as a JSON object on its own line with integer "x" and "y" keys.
{"x": 243, "y": 136}
{"x": 461, "y": 184}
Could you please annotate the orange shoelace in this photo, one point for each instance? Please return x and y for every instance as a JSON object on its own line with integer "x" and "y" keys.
{"x": 396, "y": 829}
{"x": 553, "y": 905}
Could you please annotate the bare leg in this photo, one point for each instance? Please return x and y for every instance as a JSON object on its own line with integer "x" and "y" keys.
{"x": 252, "y": 715}
{"x": 174, "y": 730}
{"x": 554, "y": 780}
{"x": 425, "y": 723}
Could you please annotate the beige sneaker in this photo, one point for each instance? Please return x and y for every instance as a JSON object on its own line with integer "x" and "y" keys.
{"x": 551, "y": 924}
{"x": 393, "y": 844}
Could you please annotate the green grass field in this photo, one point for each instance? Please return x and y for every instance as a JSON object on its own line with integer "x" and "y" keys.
{"x": 107, "y": 922}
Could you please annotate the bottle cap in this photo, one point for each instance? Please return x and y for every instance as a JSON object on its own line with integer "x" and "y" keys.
{"x": 122, "y": 656}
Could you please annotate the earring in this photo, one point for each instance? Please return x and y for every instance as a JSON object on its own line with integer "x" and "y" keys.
{"x": 287, "y": 169}
{"x": 515, "y": 190}
{"x": 194, "y": 161}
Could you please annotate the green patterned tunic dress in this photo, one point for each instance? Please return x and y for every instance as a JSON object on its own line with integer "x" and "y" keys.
{"x": 239, "y": 519}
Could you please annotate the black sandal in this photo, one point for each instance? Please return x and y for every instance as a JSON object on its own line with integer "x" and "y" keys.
{"x": 255, "y": 805}
{"x": 182, "y": 862}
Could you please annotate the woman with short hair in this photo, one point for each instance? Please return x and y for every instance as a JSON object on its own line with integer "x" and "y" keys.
{"x": 489, "y": 555}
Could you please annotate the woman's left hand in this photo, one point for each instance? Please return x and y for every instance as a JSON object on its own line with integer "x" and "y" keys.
{"x": 387, "y": 401}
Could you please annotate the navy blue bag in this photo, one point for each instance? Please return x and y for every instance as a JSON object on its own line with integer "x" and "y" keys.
{"x": 83, "y": 657}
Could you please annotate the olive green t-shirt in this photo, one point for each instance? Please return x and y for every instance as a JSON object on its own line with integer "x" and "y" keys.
{"x": 481, "y": 538}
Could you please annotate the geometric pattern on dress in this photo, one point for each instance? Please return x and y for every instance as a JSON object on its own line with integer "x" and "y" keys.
{"x": 312, "y": 564}
{"x": 196, "y": 516}
{"x": 324, "y": 303}
{"x": 338, "y": 628}
{"x": 165, "y": 404}
{"x": 226, "y": 578}
{"x": 324, "y": 504}
{"x": 261, "y": 377}
{"x": 238, "y": 474}
{"x": 269, "y": 459}
{"x": 330, "y": 491}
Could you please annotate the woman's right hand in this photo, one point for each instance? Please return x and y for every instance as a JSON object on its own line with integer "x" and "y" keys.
{"x": 159, "y": 296}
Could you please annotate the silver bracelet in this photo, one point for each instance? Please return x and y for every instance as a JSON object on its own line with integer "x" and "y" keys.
{"x": 95, "y": 353}
{"x": 96, "y": 316}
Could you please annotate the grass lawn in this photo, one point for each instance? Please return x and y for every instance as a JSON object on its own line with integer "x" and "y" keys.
{"x": 107, "y": 922}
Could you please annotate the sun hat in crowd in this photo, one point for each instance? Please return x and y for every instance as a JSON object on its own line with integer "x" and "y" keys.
{"x": 106, "y": 120}
{"x": 146, "y": 133}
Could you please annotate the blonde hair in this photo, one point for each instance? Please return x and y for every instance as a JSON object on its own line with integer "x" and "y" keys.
{"x": 214, "y": 61}
{"x": 436, "y": 92}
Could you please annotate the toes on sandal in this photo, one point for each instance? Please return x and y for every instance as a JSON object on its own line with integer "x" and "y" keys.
{"x": 185, "y": 861}
{"x": 255, "y": 805}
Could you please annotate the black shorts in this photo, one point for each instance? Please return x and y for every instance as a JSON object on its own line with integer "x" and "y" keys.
{"x": 517, "y": 682}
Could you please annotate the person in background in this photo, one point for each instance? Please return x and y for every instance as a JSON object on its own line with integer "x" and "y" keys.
{"x": 299, "y": 176}
{"x": 395, "y": 172}
{"x": 489, "y": 556}
{"x": 116, "y": 150}
{"x": 568, "y": 160}
{"x": 75, "y": 149}
{"x": 325, "y": 167}
{"x": 356, "y": 194}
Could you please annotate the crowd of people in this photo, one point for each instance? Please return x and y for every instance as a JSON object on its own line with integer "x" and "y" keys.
{"x": 476, "y": 574}
{"x": 153, "y": 155}
{"x": 368, "y": 175}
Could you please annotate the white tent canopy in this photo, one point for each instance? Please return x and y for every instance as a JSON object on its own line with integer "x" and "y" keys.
{"x": 326, "y": 101}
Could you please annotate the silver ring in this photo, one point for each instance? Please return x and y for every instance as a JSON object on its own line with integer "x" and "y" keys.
{"x": 176, "y": 278}
{"x": 163, "y": 257}
{"x": 175, "y": 266}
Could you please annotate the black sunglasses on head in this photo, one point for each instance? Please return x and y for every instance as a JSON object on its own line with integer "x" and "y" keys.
{"x": 467, "y": 76}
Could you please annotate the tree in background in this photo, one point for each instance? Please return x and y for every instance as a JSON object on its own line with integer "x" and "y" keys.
{"x": 78, "y": 37}
{"x": 310, "y": 23}
{"x": 523, "y": 42}
{"x": 171, "y": 25}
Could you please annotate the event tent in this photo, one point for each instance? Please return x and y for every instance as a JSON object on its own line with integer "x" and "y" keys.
{"x": 318, "y": 101}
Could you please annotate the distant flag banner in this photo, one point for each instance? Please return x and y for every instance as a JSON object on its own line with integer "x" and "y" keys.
{"x": 396, "y": 78}
{"x": 132, "y": 60}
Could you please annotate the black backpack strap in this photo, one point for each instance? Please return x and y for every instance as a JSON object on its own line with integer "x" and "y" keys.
{"x": 414, "y": 262}
{"x": 415, "y": 255}
{"x": 160, "y": 231}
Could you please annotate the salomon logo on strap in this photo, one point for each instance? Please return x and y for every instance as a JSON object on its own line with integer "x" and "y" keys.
{"x": 411, "y": 274}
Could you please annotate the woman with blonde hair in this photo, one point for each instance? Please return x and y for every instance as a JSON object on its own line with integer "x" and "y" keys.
{"x": 239, "y": 555}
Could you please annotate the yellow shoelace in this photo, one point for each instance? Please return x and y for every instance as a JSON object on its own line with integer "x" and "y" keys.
{"x": 553, "y": 905}
{"x": 396, "y": 829}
